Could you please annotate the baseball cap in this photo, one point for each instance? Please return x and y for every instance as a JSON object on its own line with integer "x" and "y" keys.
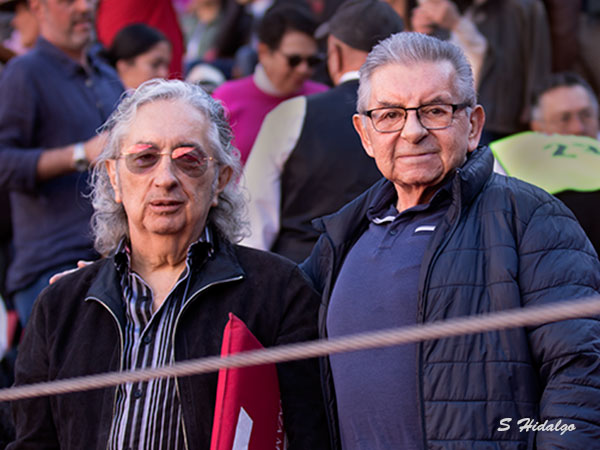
{"x": 362, "y": 24}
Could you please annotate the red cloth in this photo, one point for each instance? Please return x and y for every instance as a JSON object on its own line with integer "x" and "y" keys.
{"x": 246, "y": 397}
{"x": 115, "y": 14}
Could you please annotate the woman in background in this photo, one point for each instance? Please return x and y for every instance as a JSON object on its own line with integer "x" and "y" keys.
{"x": 139, "y": 53}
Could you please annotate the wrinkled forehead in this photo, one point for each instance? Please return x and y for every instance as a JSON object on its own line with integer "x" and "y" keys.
{"x": 166, "y": 122}
{"x": 414, "y": 84}
{"x": 564, "y": 99}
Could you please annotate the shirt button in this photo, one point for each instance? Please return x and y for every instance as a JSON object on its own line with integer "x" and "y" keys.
{"x": 89, "y": 82}
{"x": 393, "y": 232}
{"x": 99, "y": 104}
{"x": 137, "y": 393}
{"x": 147, "y": 339}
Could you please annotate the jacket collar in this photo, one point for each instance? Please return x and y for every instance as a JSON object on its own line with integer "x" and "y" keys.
{"x": 219, "y": 267}
{"x": 468, "y": 182}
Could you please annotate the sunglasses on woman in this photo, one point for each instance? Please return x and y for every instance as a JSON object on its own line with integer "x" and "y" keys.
{"x": 295, "y": 60}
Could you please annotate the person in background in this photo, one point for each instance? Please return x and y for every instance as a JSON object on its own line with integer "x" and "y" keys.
{"x": 139, "y": 53}
{"x": 54, "y": 98}
{"x": 507, "y": 43}
{"x": 442, "y": 236}
{"x": 201, "y": 23}
{"x": 168, "y": 212}
{"x": 206, "y": 76}
{"x": 307, "y": 160}
{"x": 287, "y": 55}
{"x": 113, "y": 15}
{"x": 568, "y": 105}
{"x": 565, "y": 105}
{"x": 24, "y": 23}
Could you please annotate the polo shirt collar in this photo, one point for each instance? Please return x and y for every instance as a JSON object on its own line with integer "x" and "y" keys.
{"x": 383, "y": 207}
{"x": 69, "y": 65}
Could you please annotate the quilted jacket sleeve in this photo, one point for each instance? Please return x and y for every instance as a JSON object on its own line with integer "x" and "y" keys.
{"x": 557, "y": 262}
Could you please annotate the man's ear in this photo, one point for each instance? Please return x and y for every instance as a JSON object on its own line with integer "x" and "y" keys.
{"x": 334, "y": 61}
{"x": 111, "y": 169}
{"x": 224, "y": 177}
{"x": 476, "y": 122}
{"x": 361, "y": 128}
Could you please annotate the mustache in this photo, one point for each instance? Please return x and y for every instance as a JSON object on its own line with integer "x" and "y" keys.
{"x": 83, "y": 18}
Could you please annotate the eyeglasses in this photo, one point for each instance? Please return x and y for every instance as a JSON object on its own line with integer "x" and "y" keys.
{"x": 295, "y": 60}
{"x": 191, "y": 160}
{"x": 583, "y": 115}
{"x": 390, "y": 119}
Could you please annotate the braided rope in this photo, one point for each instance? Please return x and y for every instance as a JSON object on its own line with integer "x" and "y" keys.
{"x": 520, "y": 317}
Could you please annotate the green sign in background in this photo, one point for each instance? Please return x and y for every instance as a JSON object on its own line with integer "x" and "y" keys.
{"x": 553, "y": 162}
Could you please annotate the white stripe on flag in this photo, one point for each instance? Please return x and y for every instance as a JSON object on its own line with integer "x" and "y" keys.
{"x": 242, "y": 431}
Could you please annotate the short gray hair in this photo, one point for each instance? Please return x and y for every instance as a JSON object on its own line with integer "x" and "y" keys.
{"x": 408, "y": 48}
{"x": 109, "y": 221}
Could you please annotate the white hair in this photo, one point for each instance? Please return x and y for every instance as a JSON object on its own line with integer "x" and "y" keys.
{"x": 109, "y": 221}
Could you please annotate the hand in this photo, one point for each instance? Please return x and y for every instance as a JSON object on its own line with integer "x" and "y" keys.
{"x": 442, "y": 13}
{"x": 94, "y": 146}
{"x": 58, "y": 276}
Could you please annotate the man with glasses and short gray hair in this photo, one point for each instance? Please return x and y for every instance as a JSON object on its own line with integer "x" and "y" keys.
{"x": 442, "y": 236}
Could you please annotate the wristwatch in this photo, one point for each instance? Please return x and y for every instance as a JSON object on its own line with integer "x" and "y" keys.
{"x": 79, "y": 160}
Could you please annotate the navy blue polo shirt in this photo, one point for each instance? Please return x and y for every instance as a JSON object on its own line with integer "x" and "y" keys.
{"x": 377, "y": 288}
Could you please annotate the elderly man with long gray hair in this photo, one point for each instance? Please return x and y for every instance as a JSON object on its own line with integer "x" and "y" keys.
{"x": 167, "y": 212}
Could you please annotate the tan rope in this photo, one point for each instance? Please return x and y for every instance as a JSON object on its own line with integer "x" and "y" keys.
{"x": 530, "y": 316}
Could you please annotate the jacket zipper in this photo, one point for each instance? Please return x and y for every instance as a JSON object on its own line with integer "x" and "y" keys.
{"x": 120, "y": 356}
{"x": 421, "y": 311}
{"x": 192, "y": 297}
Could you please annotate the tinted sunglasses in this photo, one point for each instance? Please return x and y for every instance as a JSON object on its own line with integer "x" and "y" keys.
{"x": 191, "y": 160}
{"x": 296, "y": 60}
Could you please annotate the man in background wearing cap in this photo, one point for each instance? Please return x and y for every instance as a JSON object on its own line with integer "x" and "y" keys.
{"x": 54, "y": 98}
{"x": 308, "y": 160}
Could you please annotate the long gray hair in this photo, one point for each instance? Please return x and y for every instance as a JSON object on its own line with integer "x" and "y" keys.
{"x": 109, "y": 221}
{"x": 408, "y": 48}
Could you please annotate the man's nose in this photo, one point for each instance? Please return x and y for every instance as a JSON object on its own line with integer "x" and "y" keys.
{"x": 165, "y": 171}
{"x": 304, "y": 68}
{"x": 576, "y": 125}
{"x": 413, "y": 131}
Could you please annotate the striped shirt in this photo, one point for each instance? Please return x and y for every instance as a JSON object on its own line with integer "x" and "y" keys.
{"x": 148, "y": 415}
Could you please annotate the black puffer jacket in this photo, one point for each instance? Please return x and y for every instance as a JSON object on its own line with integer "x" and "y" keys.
{"x": 75, "y": 330}
{"x": 503, "y": 244}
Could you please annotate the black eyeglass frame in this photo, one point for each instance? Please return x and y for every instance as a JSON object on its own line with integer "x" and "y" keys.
{"x": 455, "y": 107}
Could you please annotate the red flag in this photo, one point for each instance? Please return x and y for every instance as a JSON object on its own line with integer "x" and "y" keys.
{"x": 248, "y": 407}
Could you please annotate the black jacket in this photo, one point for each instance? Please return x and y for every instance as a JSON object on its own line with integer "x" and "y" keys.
{"x": 76, "y": 329}
{"x": 503, "y": 244}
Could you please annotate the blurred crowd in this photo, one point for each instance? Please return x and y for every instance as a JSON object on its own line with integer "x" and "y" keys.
{"x": 287, "y": 76}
